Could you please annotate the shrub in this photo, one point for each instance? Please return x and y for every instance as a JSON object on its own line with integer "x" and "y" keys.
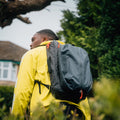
{"x": 106, "y": 103}
{"x": 6, "y": 96}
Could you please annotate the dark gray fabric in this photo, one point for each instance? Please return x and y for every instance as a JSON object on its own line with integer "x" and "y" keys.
{"x": 52, "y": 60}
{"x": 74, "y": 69}
{"x": 69, "y": 70}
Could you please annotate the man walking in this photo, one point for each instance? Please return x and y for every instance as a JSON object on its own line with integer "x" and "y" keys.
{"x": 34, "y": 67}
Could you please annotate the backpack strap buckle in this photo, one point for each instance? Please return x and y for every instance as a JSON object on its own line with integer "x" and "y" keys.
{"x": 81, "y": 94}
{"x": 48, "y": 45}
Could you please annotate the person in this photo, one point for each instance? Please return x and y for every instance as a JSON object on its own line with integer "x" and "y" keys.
{"x": 33, "y": 67}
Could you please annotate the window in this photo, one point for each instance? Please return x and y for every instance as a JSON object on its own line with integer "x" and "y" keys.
{"x": 4, "y": 70}
{"x": 6, "y": 64}
{"x": 8, "y": 71}
{"x": 5, "y": 73}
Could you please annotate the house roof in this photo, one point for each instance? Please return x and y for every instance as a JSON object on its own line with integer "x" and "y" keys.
{"x": 10, "y": 51}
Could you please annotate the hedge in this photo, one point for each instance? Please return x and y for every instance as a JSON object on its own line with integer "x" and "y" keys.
{"x": 6, "y": 97}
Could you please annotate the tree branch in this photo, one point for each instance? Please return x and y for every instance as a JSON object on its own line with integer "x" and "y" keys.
{"x": 12, "y": 9}
{"x": 24, "y": 19}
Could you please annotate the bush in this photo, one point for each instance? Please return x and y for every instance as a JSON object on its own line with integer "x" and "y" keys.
{"x": 106, "y": 103}
{"x": 6, "y": 97}
{"x": 53, "y": 112}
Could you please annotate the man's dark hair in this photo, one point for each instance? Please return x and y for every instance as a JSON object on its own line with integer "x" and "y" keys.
{"x": 49, "y": 33}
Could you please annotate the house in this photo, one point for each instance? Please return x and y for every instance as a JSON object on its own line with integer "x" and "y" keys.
{"x": 10, "y": 57}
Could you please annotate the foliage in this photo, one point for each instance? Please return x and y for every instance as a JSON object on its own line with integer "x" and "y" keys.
{"x": 54, "y": 112}
{"x": 108, "y": 45}
{"x": 105, "y": 105}
{"x": 6, "y": 96}
{"x": 2, "y": 109}
{"x": 95, "y": 27}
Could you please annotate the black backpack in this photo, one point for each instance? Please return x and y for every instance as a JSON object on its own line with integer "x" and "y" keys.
{"x": 69, "y": 69}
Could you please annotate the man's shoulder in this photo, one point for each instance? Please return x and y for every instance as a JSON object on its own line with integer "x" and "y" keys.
{"x": 34, "y": 52}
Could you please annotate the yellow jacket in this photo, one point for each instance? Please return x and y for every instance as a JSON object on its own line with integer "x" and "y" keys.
{"x": 34, "y": 67}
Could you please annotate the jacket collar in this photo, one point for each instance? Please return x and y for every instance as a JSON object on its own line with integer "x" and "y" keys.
{"x": 46, "y": 42}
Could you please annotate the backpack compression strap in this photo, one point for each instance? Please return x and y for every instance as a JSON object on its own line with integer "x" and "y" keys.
{"x": 39, "y": 82}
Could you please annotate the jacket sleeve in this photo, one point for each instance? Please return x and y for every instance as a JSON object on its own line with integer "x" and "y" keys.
{"x": 24, "y": 85}
{"x": 85, "y": 108}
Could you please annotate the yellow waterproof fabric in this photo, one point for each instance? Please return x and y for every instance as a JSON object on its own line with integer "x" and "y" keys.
{"x": 34, "y": 67}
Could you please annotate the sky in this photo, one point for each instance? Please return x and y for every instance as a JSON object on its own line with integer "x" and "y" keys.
{"x": 48, "y": 18}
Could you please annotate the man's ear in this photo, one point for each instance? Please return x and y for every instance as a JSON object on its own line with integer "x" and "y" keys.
{"x": 45, "y": 38}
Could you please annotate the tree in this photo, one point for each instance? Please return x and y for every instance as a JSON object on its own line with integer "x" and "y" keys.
{"x": 108, "y": 46}
{"x": 95, "y": 27}
{"x": 10, "y": 9}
